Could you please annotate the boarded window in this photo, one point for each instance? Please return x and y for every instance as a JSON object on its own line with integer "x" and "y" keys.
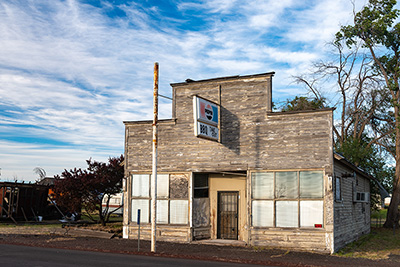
{"x": 178, "y": 212}
{"x": 178, "y": 186}
{"x": 262, "y": 185}
{"x": 201, "y": 212}
{"x": 263, "y": 213}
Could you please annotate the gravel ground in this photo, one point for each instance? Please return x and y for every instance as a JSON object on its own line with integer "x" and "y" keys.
{"x": 54, "y": 238}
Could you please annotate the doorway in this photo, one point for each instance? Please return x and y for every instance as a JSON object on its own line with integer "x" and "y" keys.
{"x": 227, "y": 225}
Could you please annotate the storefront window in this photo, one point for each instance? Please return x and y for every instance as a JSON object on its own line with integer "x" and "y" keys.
{"x": 178, "y": 212}
{"x": 286, "y": 185}
{"x": 143, "y": 205}
{"x": 172, "y": 205}
{"x": 311, "y": 214}
{"x": 263, "y": 185}
{"x": 311, "y": 184}
{"x": 263, "y": 213}
{"x": 140, "y": 185}
{"x": 287, "y": 199}
{"x": 287, "y": 214}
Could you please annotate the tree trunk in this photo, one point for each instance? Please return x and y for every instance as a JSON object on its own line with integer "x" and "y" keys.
{"x": 392, "y": 218}
{"x": 101, "y": 215}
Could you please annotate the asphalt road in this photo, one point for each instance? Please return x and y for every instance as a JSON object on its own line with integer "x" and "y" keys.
{"x": 12, "y": 255}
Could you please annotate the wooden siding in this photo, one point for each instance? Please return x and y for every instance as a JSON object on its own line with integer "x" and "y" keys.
{"x": 170, "y": 233}
{"x": 252, "y": 138}
{"x": 298, "y": 239}
{"x": 351, "y": 219}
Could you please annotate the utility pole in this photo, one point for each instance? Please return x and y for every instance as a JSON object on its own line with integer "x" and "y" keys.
{"x": 154, "y": 171}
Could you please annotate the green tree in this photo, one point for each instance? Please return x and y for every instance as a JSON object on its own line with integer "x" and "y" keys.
{"x": 362, "y": 104}
{"x": 370, "y": 160}
{"x": 86, "y": 188}
{"x": 374, "y": 26}
{"x": 303, "y": 103}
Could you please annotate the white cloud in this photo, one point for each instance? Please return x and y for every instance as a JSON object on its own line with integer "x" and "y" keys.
{"x": 318, "y": 24}
{"x": 52, "y": 159}
{"x": 72, "y": 74}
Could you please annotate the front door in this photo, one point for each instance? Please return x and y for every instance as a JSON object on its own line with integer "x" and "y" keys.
{"x": 228, "y": 215}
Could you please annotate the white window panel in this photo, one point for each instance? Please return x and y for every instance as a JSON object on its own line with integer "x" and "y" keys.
{"x": 162, "y": 211}
{"x": 162, "y": 185}
{"x": 178, "y": 212}
{"x": 311, "y": 213}
{"x": 140, "y": 185}
{"x": 287, "y": 214}
{"x": 262, "y": 185}
{"x": 311, "y": 184}
{"x": 143, "y": 205}
{"x": 286, "y": 184}
{"x": 263, "y": 213}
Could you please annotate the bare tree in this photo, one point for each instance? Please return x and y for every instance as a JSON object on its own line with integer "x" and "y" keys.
{"x": 359, "y": 88}
{"x": 40, "y": 171}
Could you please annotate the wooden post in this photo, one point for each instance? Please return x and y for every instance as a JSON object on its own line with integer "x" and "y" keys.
{"x": 154, "y": 171}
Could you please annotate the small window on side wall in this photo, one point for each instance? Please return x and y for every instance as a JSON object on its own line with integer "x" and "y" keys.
{"x": 338, "y": 189}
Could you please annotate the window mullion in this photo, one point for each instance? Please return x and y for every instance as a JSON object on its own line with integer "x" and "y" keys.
{"x": 298, "y": 199}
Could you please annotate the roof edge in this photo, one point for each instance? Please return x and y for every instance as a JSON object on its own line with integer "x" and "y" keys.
{"x": 189, "y": 81}
{"x": 346, "y": 162}
{"x": 150, "y": 121}
{"x": 299, "y": 111}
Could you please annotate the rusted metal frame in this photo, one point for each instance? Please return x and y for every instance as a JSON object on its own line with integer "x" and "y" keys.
{"x": 154, "y": 167}
{"x": 166, "y": 97}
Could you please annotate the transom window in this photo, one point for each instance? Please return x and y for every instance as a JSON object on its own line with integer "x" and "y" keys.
{"x": 287, "y": 199}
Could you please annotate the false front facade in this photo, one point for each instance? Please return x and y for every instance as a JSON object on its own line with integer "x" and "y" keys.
{"x": 231, "y": 168}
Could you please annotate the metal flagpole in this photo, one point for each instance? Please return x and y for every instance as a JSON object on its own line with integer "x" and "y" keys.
{"x": 154, "y": 171}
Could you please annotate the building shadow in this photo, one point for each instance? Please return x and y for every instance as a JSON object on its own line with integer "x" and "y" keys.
{"x": 230, "y": 130}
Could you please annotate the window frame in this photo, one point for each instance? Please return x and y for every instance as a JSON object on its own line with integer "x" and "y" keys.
{"x": 298, "y": 199}
{"x": 164, "y": 198}
{"x": 338, "y": 179}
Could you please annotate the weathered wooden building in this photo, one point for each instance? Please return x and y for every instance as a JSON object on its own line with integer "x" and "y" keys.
{"x": 266, "y": 178}
{"x": 19, "y": 201}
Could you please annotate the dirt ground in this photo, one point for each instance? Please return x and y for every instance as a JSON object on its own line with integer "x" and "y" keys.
{"x": 59, "y": 238}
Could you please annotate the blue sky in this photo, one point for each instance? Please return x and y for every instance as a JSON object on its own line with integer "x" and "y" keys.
{"x": 72, "y": 71}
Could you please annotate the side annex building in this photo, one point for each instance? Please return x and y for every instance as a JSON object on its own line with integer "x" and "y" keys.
{"x": 269, "y": 178}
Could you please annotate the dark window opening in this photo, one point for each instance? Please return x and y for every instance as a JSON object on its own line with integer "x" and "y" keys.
{"x": 200, "y": 185}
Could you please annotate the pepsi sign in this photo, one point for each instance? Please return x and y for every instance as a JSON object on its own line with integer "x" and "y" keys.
{"x": 206, "y": 114}
{"x": 207, "y": 111}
